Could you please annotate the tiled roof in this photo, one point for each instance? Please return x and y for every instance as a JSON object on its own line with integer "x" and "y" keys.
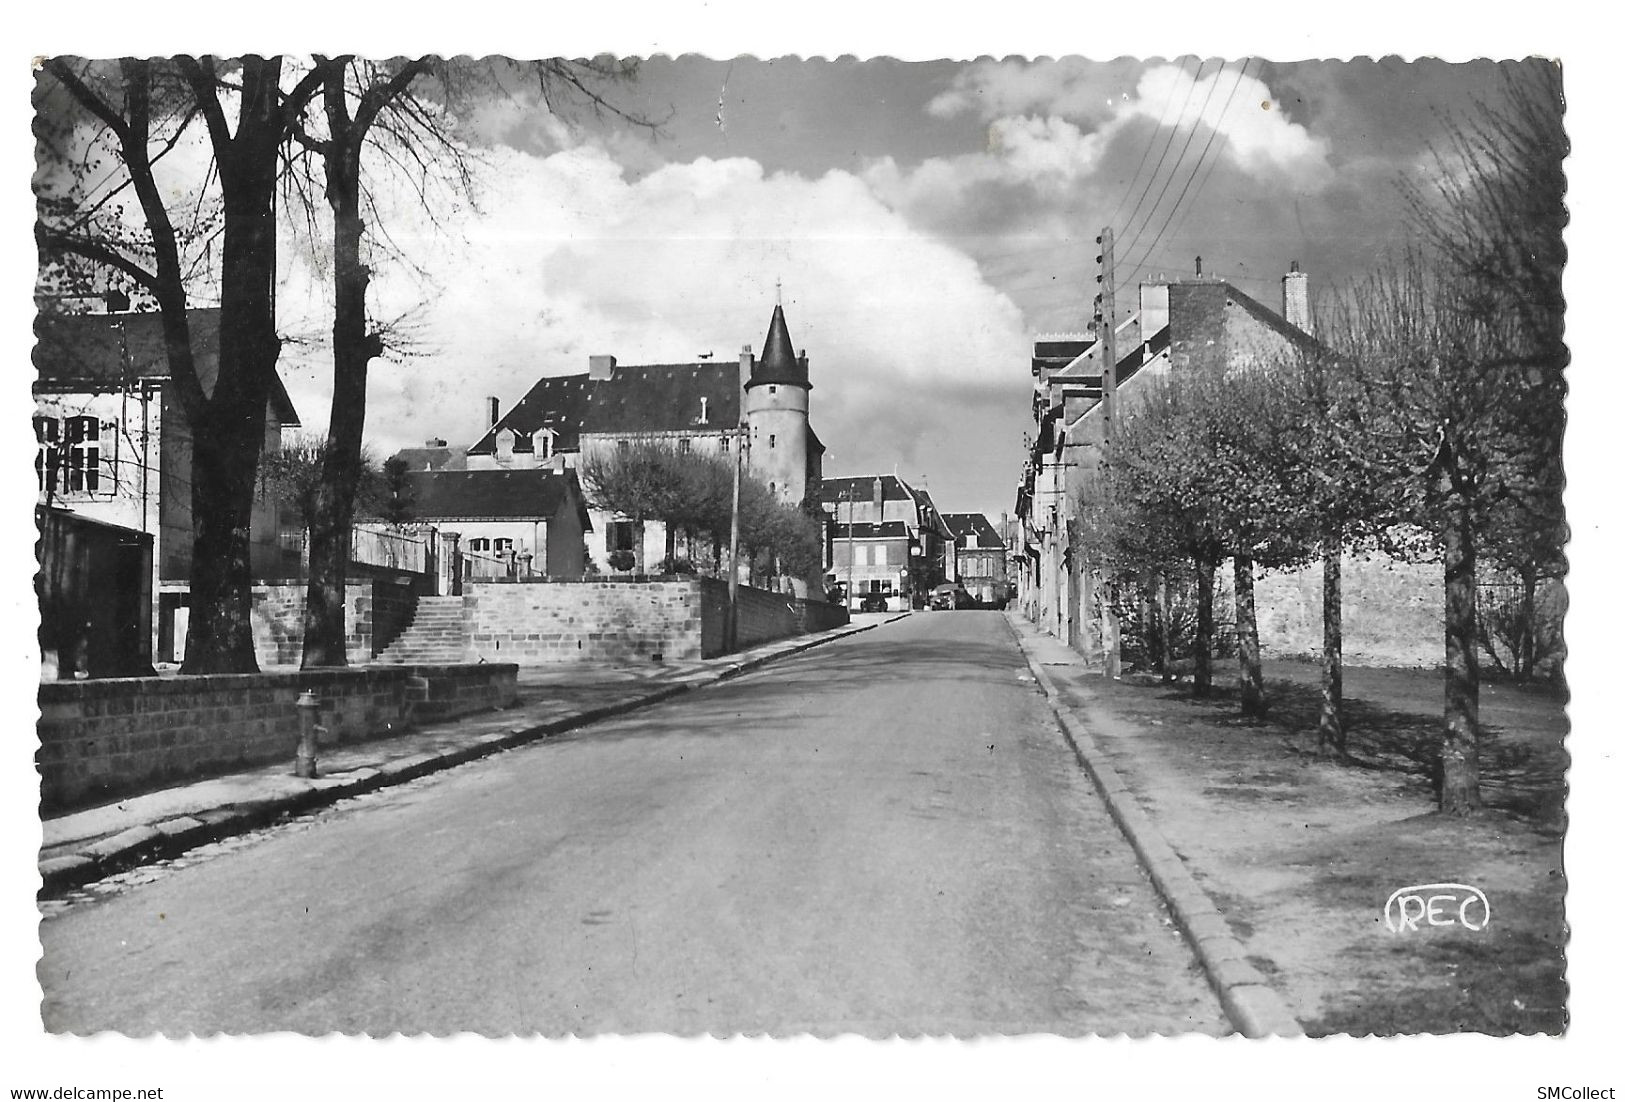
{"x": 966, "y": 524}
{"x": 635, "y": 398}
{"x": 104, "y": 351}
{"x": 665, "y": 398}
{"x": 438, "y": 458}
{"x": 1269, "y": 317}
{"x": 779, "y": 362}
{"x": 890, "y": 529}
{"x": 862, "y": 488}
{"x": 530, "y": 494}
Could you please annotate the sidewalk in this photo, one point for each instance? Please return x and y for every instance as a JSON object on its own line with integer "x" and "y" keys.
{"x": 1252, "y": 1004}
{"x": 86, "y": 845}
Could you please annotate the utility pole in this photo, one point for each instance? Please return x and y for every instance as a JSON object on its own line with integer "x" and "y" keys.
{"x": 1106, "y": 316}
{"x": 731, "y": 633}
{"x": 851, "y": 564}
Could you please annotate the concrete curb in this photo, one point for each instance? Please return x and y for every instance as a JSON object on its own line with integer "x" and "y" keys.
{"x": 171, "y": 837}
{"x": 1252, "y": 1005}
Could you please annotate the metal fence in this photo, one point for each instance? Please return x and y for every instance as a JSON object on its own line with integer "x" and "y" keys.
{"x": 394, "y": 550}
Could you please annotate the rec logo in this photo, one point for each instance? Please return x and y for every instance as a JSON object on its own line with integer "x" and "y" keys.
{"x": 1436, "y": 905}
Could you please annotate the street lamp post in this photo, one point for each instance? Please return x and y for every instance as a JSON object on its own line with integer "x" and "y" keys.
{"x": 731, "y": 632}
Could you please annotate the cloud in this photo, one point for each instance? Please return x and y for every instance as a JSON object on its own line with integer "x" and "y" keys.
{"x": 1086, "y": 91}
{"x": 573, "y": 257}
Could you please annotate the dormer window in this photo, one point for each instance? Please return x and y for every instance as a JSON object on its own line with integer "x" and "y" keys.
{"x": 543, "y": 442}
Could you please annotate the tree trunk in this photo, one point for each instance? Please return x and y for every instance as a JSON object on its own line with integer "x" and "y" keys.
{"x": 1253, "y": 703}
{"x": 1333, "y": 736}
{"x": 229, "y": 436}
{"x": 353, "y": 349}
{"x": 1203, "y": 650}
{"x": 1527, "y": 613}
{"x": 1164, "y": 655}
{"x": 219, "y": 635}
{"x": 1458, "y": 757}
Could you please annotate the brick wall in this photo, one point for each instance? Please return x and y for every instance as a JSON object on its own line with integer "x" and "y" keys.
{"x": 108, "y": 738}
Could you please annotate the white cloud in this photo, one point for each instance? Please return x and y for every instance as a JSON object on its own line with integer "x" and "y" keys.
{"x": 572, "y": 258}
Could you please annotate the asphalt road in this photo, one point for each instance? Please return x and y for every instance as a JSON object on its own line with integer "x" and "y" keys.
{"x": 884, "y": 835}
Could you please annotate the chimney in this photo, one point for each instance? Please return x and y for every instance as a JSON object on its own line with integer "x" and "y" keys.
{"x": 1153, "y": 309}
{"x": 434, "y": 442}
{"x": 493, "y": 410}
{"x": 1198, "y": 267}
{"x": 880, "y": 492}
{"x": 600, "y": 367}
{"x": 1295, "y": 299}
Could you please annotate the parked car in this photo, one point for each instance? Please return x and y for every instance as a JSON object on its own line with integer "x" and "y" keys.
{"x": 874, "y": 602}
{"x": 950, "y": 595}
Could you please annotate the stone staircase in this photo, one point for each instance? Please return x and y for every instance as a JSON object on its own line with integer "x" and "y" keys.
{"x": 436, "y": 635}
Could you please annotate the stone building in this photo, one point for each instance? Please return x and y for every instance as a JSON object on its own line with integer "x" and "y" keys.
{"x": 706, "y": 408}
{"x": 886, "y": 538}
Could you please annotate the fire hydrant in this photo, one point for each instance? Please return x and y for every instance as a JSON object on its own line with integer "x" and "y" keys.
{"x": 304, "y": 757}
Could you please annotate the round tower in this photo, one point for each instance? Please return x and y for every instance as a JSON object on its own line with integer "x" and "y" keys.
{"x": 776, "y": 400}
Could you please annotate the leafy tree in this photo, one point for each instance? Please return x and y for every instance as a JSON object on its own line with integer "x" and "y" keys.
{"x": 1458, "y": 350}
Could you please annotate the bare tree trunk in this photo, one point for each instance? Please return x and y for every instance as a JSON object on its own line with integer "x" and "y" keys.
{"x": 1527, "y": 613}
{"x": 1333, "y": 736}
{"x": 353, "y": 350}
{"x": 1458, "y": 757}
{"x": 228, "y": 439}
{"x": 1253, "y": 702}
{"x": 1203, "y": 678}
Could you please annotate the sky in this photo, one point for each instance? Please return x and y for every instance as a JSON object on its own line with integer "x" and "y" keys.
{"x": 922, "y": 221}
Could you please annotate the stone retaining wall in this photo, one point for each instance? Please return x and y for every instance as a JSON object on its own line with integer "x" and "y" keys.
{"x": 376, "y": 611}
{"x": 676, "y": 619}
{"x": 117, "y": 736}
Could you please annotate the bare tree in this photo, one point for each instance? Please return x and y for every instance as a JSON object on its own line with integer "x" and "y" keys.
{"x": 132, "y": 115}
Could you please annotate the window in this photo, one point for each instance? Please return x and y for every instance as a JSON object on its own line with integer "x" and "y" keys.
{"x": 68, "y": 456}
{"x": 620, "y": 536}
{"x": 543, "y": 444}
{"x": 682, "y": 446}
{"x": 623, "y": 445}
{"x": 727, "y": 443}
{"x": 772, "y": 487}
{"x": 860, "y": 556}
{"x": 479, "y": 545}
{"x": 772, "y": 440}
{"x": 880, "y": 555}
{"x": 772, "y": 390}
{"x": 502, "y": 546}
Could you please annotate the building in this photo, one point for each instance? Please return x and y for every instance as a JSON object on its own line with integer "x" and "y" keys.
{"x": 706, "y": 408}
{"x": 979, "y": 556}
{"x": 885, "y": 537}
{"x": 1201, "y": 324}
{"x": 517, "y": 523}
{"x": 113, "y": 444}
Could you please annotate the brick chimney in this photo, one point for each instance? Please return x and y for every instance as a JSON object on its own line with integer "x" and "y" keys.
{"x": 493, "y": 410}
{"x": 600, "y": 367}
{"x": 1153, "y": 308}
{"x": 1295, "y": 299}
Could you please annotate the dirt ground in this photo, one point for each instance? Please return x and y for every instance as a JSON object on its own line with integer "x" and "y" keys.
{"x": 1302, "y": 854}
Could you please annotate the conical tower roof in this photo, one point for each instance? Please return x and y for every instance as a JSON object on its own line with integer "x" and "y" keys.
{"x": 779, "y": 362}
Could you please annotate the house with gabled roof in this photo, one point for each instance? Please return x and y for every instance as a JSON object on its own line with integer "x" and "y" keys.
{"x": 1201, "y": 324}
{"x": 979, "y": 555}
{"x": 530, "y": 521}
{"x": 886, "y": 538}
{"x": 113, "y": 444}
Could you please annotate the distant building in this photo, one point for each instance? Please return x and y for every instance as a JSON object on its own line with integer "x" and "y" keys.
{"x": 885, "y": 537}
{"x": 980, "y": 554}
{"x": 509, "y": 523}
{"x": 113, "y": 444}
{"x": 705, "y": 407}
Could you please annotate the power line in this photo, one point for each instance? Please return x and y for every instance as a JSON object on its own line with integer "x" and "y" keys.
{"x": 1152, "y": 213}
{"x": 1145, "y": 154}
{"x": 1218, "y": 123}
{"x": 1166, "y": 146}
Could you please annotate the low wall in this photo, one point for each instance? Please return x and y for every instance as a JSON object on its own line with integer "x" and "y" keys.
{"x": 108, "y": 738}
{"x": 376, "y": 611}
{"x": 678, "y": 619}
{"x": 1393, "y": 612}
